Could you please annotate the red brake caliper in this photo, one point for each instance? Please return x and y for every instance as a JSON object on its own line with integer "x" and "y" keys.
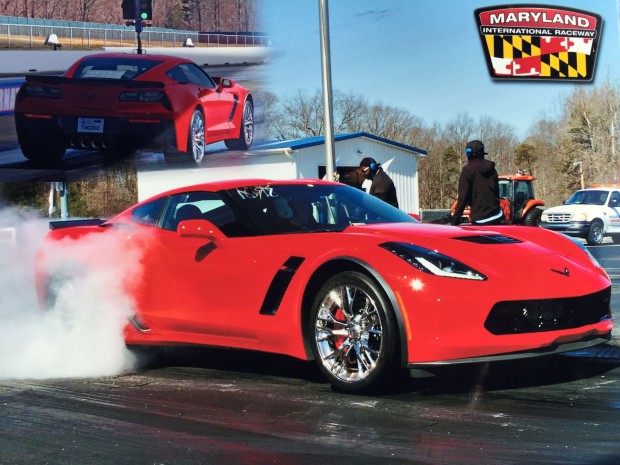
{"x": 339, "y": 339}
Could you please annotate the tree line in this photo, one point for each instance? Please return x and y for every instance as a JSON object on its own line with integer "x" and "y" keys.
{"x": 584, "y": 135}
{"x": 192, "y": 15}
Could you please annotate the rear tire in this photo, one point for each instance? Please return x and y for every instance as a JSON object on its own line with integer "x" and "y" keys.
{"x": 532, "y": 218}
{"x": 195, "y": 142}
{"x": 353, "y": 331}
{"x": 196, "y": 137}
{"x": 44, "y": 151}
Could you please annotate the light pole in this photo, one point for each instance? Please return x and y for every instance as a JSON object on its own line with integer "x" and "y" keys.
{"x": 327, "y": 90}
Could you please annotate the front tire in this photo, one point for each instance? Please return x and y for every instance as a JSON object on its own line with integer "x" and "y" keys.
{"x": 596, "y": 234}
{"x": 353, "y": 333}
{"x": 246, "y": 132}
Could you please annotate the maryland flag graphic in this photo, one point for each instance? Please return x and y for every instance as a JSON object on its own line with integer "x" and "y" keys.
{"x": 539, "y": 42}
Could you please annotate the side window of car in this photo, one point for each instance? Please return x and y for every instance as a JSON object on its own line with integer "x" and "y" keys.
{"x": 194, "y": 206}
{"x": 178, "y": 74}
{"x": 148, "y": 213}
{"x": 197, "y": 76}
{"x": 614, "y": 200}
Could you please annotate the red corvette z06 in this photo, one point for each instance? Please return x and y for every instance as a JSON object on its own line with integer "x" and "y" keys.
{"x": 323, "y": 271}
{"x": 120, "y": 102}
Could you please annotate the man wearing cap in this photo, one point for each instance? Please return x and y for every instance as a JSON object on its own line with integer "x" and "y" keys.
{"x": 382, "y": 185}
{"x": 478, "y": 188}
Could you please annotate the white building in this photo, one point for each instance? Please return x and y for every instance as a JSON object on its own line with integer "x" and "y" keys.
{"x": 300, "y": 158}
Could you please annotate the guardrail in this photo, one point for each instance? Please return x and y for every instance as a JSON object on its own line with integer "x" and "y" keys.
{"x": 31, "y": 33}
{"x": 33, "y": 36}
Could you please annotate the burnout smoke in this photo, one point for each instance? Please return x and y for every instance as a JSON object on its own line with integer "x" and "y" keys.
{"x": 81, "y": 333}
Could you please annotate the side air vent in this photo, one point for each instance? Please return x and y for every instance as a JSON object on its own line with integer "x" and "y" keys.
{"x": 489, "y": 239}
{"x": 279, "y": 285}
{"x": 234, "y": 107}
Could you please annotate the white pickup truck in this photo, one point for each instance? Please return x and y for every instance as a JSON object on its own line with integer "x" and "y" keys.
{"x": 591, "y": 213}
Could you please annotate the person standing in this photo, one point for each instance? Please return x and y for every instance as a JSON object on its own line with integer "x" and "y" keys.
{"x": 479, "y": 188}
{"x": 381, "y": 185}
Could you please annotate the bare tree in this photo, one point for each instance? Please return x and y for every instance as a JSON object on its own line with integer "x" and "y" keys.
{"x": 302, "y": 115}
{"x": 200, "y": 15}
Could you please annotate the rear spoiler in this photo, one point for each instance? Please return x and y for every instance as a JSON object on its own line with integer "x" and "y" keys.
{"x": 57, "y": 80}
{"x": 61, "y": 224}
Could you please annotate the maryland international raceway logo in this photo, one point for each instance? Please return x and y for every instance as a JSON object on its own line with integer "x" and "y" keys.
{"x": 538, "y": 42}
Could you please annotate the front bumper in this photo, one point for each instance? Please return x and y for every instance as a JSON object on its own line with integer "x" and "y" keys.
{"x": 556, "y": 348}
{"x": 574, "y": 228}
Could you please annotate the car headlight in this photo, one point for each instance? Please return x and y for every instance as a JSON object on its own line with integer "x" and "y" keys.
{"x": 432, "y": 262}
{"x": 579, "y": 217}
{"x": 544, "y": 217}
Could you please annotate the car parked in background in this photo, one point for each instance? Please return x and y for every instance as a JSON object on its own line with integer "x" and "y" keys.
{"x": 323, "y": 271}
{"x": 591, "y": 214}
{"x": 120, "y": 102}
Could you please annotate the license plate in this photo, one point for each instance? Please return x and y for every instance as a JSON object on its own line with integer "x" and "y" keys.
{"x": 90, "y": 125}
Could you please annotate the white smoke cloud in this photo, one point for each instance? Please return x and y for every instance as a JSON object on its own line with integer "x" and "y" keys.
{"x": 81, "y": 335}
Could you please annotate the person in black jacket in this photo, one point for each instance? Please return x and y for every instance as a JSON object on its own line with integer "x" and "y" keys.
{"x": 382, "y": 186}
{"x": 478, "y": 188}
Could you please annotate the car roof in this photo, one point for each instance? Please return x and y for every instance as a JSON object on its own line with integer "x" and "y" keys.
{"x": 121, "y": 55}
{"x": 602, "y": 187}
{"x": 238, "y": 183}
{"x": 517, "y": 177}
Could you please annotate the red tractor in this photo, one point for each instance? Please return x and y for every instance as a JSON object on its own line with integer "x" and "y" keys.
{"x": 517, "y": 199}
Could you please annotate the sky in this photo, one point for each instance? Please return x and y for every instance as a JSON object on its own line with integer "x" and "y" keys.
{"x": 424, "y": 56}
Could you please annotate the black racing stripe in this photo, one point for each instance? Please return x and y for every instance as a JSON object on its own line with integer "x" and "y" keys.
{"x": 279, "y": 285}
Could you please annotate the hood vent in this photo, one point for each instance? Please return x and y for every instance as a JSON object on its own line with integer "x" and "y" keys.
{"x": 489, "y": 239}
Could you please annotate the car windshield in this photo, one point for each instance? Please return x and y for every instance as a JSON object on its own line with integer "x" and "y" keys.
{"x": 113, "y": 68}
{"x": 588, "y": 197}
{"x": 295, "y": 208}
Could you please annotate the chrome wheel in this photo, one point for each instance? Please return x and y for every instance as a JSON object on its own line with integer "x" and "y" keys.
{"x": 196, "y": 142}
{"x": 246, "y": 131}
{"x": 353, "y": 335}
{"x": 248, "y": 124}
{"x": 596, "y": 234}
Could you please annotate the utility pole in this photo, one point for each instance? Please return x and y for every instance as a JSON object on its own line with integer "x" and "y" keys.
{"x": 327, "y": 89}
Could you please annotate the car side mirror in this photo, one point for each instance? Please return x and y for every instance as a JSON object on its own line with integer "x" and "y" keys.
{"x": 202, "y": 229}
{"x": 225, "y": 84}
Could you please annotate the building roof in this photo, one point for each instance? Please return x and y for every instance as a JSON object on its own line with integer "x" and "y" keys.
{"x": 296, "y": 144}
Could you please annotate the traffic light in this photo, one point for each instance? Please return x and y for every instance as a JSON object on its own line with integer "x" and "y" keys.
{"x": 145, "y": 9}
{"x": 129, "y": 9}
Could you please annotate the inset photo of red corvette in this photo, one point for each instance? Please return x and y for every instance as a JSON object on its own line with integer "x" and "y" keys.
{"x": 120, "y": 102}
{"x": 323, "y": 271}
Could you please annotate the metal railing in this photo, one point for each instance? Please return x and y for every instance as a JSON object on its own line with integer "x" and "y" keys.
{"x": 31, "y": 33}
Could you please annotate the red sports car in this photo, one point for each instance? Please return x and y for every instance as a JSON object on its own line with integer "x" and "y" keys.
{"x": 320, "y": 270}
{"x": 121, "y": 102}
